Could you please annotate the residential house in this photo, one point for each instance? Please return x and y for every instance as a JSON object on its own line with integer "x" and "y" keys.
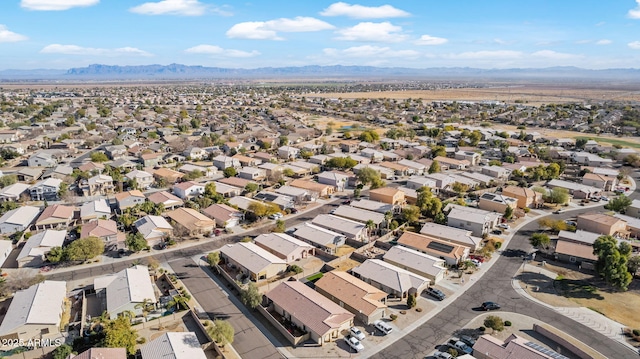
{"x": 415, "y": 167}
{"x": 143, "y": 179}
{"x": 478, "y": 221}
{"x": 35, "y": 313}
{"x": 195, "y": 153}
{"x": 129, "y": 199}
{"x": 247, "y": 161}
{"x": 349, "y": 146}
{"x": 223, "y": 162}
{"x": 398, "y": 169}
{"x": 496, "y": 202}
{"x": 98, "y": 209}
{"x": 298, "y": 195}
{"x": 55, "y": 216}
{"x": 321, "y": 190}
{"x": 227, "y": 190}
{"x": 124, "y": 164}
{"x": 309, "y": 310}
{"x": 238, "y": 182}
{"x": 168, "y": 175}
{"x": 335, "y": 179}
{"x": 453, "y": 163}
{"x": 42, "y": 159}
{"x": 105, "y": 229}
{"x": 394, "y": 281}
{"x": 191, "y": 222}
{"x": 634, "y": 209}
{"x": 373, "y": 155}
{"x": 98, "y": 185}
{"x": 125, "y": 290}
{"x": 361, "y": 215}
{"x": 324, "y": 239}
{"x": 29, "y": 174}
{"x": 472, "y": 157}
{"x": 45, "y": 190}
{"x": 422, "y": 264}
{"x": 115, "y": 152}
{"x": 154, "y": 229}
{"x": 168, "y": 200}
{"x": 284, "y": 246}
{"x": 390, "y": 195}
{"x": 575, "y": 247}
{"x": 171, "y": 345}
{"x": 93, "y": 353}
{"x": 443, "y": 181}
{"x": 417, "y": 182}
{"x": 514, "y": 347}
{"x": 59, "y": 172}
{"x": 18, "y": 219}
{"x": 462, "y": 237}
{"x": 252, "y": 173}
{"x": 9, "y": 136}
{"x": 288, "y": 152}
{"x": 603, "y": 224}
{"x": 450, "y": 252}
{"x": 6, "y": 247}
{"x": 526, "y": 197}
{"x": 152, "y": 159}
{"x": 351, "y": 229}
{"x": 14, "y": 192}
{"x": 35, "y": 249}
{"x": 591, "y": 159}
{"x": 374, "y": 206}
{"x": 189, "y": 189}
{"x": 498, "y": 172}
{"x": 363, "y": 300}
{"x": 577, "y": 190}
{"x": 384, "y": 171}
{"x": 281, "y": 200}
{"x": 209, "y": 171}
{"x": 252, "y": 260}
{"x": 604, "y": 182}
{"x": 224, "y": 215}
{"x": 633, "y": 226}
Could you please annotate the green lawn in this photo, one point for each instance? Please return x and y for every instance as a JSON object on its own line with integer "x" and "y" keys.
{"x": 613, "y": 141}
{"x": 314, "y": 277}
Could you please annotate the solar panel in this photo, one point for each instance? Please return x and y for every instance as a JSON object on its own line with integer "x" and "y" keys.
{"x": 441, "y": 247}
{"x": 545, "y": 351}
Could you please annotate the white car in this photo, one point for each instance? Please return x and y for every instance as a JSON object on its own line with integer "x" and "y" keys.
{"x": 503, "y": 226}
{"x": 442, "y": 355}
{"x": 382, "y": 326}
{"x": 356, "y": 333}
{"x": 276, "y": 216}
{"x": 476, "y": 262}
{"x": 354, "y": 343}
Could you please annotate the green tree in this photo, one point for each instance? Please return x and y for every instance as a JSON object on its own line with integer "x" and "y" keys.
{"x": 553, "y": 171}
{"x": 459, "y": 187}
{"x": 8, "y": 180}
{"x": 62, "y": 352}
{"x": 580, "y": 142}
{"x": 213, "y": 258}
{"x": 429, "y": 204}
{"x": 180, "y": 301}
{"x": 221, "y": 332}
{"x": 440, "y": 218}
{"x": 634, "y": 265}
{"x": 146, "y": 306}
{"x": 619, "y": 204}
{"x": 119, "y": 334}
{"x": 55, "y": 255}
{"x": 494, "y": 322}
{"x": 99, "y": 157}
{"x": 558, "y": 195}
{"x": 85, "y": 248}
{"x": 369, "y": 136}
{"x": 540, "y": 240}
{"x": 411, "y": 214}
{"x": 279, "y": 227}
{"x": 284, "y": 140}
{"x": 508, "y": 212}
{"x": 370, "y": 176}
{"x": 230, "y": 172}
{"x": 411, "y": 301}
{"x": 434, "y": 167}
{"x": 438, "y": 151}
{"x": 612, "y": 263}
{"x": 288, "y": 172}
{"x": 251, "y": 187}
{"x": 251, "y": 296}
{"x": 136, "y": 242}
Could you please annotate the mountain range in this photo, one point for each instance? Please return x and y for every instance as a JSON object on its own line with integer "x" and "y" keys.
{"x": 98, "y": 72}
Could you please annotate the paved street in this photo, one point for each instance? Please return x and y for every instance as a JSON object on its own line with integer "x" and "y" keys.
{"x": 248, "y": 341}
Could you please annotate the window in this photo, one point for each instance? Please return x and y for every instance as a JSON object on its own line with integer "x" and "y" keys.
{"x": 572, "y": 259}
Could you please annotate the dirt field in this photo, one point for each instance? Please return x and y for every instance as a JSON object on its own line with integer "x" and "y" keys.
{"x": 528, "y": 94}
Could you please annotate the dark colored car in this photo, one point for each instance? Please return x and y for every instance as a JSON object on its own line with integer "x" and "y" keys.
{"x": 496, "y": 231}
{"x": 436, "y": 293}
{"x": 490, "y": 306}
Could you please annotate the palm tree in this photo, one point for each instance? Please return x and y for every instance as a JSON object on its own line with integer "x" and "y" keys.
{"x": 370, "y": 226}
{"x": 146, "y": 306}
{"x": 388, "y": 217}
{"x": 129, "y": 314}
{"x": 180, "y": 301}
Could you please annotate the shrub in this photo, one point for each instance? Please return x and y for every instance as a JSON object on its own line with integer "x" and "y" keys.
{"x": 393, "y": 317}
{"x": 526, "y": 209}
{"x": 507, "y": 323}
{"x": 636, "y": 332}
{"x": 207, "y": 323}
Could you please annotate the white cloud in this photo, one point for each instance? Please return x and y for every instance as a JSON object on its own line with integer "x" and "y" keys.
{"x": 268, "y": 30}
{"x": 634, "y": 45}
{"x": 367, "y": 51}
{"x": 219, "y": 51}
{"x": 485, "y": 54}
{"x": 582, "y": 42}
{"x": 428, "y": 40}
{"x": 10, "y": 36}
{"x": 550, "y": 54}
{"x": 635, "y": 13}
{"x": 90, "y": 51}
{"x": 171, "y": 7}
{"x": 56, "y": 5}
{"x": 372, "y": 31}
{"x": 604, "y": 42}
{"x": 363, "y": 12}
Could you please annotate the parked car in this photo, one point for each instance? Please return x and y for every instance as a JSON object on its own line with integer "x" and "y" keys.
{"x": 503, "y": 225}
{"x": 604, "y": 198}
{"x": 476, "y": 262}
{"x": 595, "y": 199}
{"x": 460, "y": 346}
{"x": 480, "y": 259}
{"x": 354, "y": 344}
{"x": 468, "y": 340}
{"x": 496, "y": 231}
{"x": 436, "y": 293}
{"x": 382, "y": 326}
{"x": 356, "y": 333}
{"x": 333, "y": 211}
{"x": 442, "y": 355}
{"x": 294, "y": 210}
{"x": 490, "y": 306}
{"x": 346, "y": 202}
{"x": 276, "y": 216}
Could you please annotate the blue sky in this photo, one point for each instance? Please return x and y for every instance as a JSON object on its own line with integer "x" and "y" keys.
{"x": 59, "y": 34}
